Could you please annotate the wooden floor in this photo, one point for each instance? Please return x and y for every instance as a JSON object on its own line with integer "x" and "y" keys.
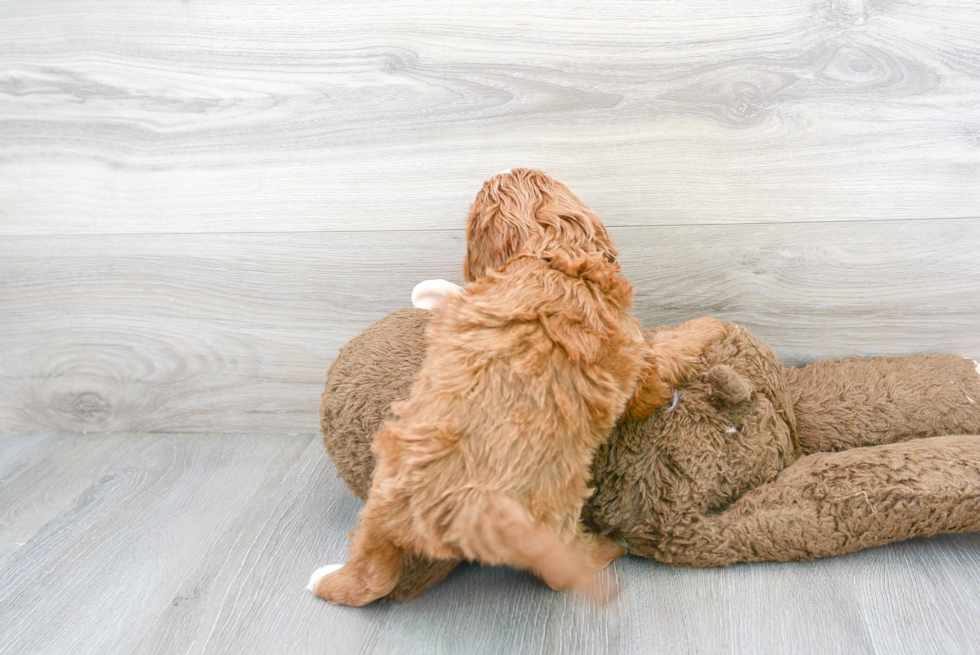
{"x": 159, "y": 543}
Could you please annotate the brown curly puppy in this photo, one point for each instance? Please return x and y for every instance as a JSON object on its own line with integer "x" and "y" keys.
{"x": 525, "y": 375}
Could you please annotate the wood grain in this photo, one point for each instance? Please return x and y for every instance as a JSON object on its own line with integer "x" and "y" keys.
{"x": 175, "y": 333}
{"x": 258, "y": 116}
{"x": 42, "y": 476}
{"x": 196, "y": 333}
{"x": 905, "y": 592}
{"x": 108, "y": 564}
{"x": 203, "y": 544}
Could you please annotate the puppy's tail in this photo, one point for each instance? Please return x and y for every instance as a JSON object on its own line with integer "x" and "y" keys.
{"x": 492, "y": 528}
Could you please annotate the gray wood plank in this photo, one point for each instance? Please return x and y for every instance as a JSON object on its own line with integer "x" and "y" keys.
{"x": 902, "y": 592}
{"x": 765, "y": 608}
{"x": 174, "y": 333}
{"x": 256, "y": 116}
{"x": 187, "y": 333}
{"x": 906, "y": 597}
{"x": 42, "y": 475}
{"x": 94, "y": 578}
{"x": 203, "y": 544}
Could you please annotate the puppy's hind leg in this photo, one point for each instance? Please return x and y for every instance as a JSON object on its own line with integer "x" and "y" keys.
{"x": 371, "y": 572}
{"x": 492, "y": 528}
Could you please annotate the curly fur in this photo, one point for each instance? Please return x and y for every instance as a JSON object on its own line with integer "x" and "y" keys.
{"x": 524, "y": 377}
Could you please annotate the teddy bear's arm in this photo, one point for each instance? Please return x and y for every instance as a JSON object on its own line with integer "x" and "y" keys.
{"x": 834, "y": 503}
{"x": 670, "y": 356}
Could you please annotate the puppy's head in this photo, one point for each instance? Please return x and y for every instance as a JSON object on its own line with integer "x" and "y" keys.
{"x": 526, "y": 211}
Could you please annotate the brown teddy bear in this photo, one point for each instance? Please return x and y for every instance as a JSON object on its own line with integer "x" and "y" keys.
{"x": 751, "y": 461}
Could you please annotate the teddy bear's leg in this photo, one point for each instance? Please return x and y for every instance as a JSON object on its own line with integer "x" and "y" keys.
{"x": 880, "y": 400}
{"x": 671, "y": 355}
{"x": 493, "y": 528}
{"x": 372, "y": 569}
{"x": 835, "y": 503}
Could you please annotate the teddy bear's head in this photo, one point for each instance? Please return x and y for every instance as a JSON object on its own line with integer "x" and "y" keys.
{"x": 375, "y": 369}
{"x": 731, "y": 428}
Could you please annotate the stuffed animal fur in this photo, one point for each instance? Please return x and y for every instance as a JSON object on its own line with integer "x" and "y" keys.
{"x": 752, "y": 461}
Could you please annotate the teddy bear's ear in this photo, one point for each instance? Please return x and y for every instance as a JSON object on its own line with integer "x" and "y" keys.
{"x": 729, "y": 387}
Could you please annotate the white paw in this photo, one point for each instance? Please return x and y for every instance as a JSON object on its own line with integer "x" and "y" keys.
{"x": 432, "y": 294}
{"x": 503, "y": 172}
{"x": 320, "y": 573}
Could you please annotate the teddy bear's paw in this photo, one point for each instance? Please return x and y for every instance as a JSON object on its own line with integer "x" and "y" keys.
{"x": 322, "y": 572}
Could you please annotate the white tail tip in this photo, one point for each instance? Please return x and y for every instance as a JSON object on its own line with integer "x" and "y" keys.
{"x": 432, "y": 294}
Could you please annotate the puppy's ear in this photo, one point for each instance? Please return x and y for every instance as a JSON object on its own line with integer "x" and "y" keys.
{"x": 599, "y": 236}
{"x": 491, "y": 240}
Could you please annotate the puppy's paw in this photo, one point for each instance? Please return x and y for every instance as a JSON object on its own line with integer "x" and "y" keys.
{"x": 709, "y": 329}
{"x": 344, "y": 584}
{"x": 607, "y": 551}
{"x": 320, "y": 573}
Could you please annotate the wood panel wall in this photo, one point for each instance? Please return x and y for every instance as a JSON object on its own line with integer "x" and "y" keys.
{"x": 201, "y": 201}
